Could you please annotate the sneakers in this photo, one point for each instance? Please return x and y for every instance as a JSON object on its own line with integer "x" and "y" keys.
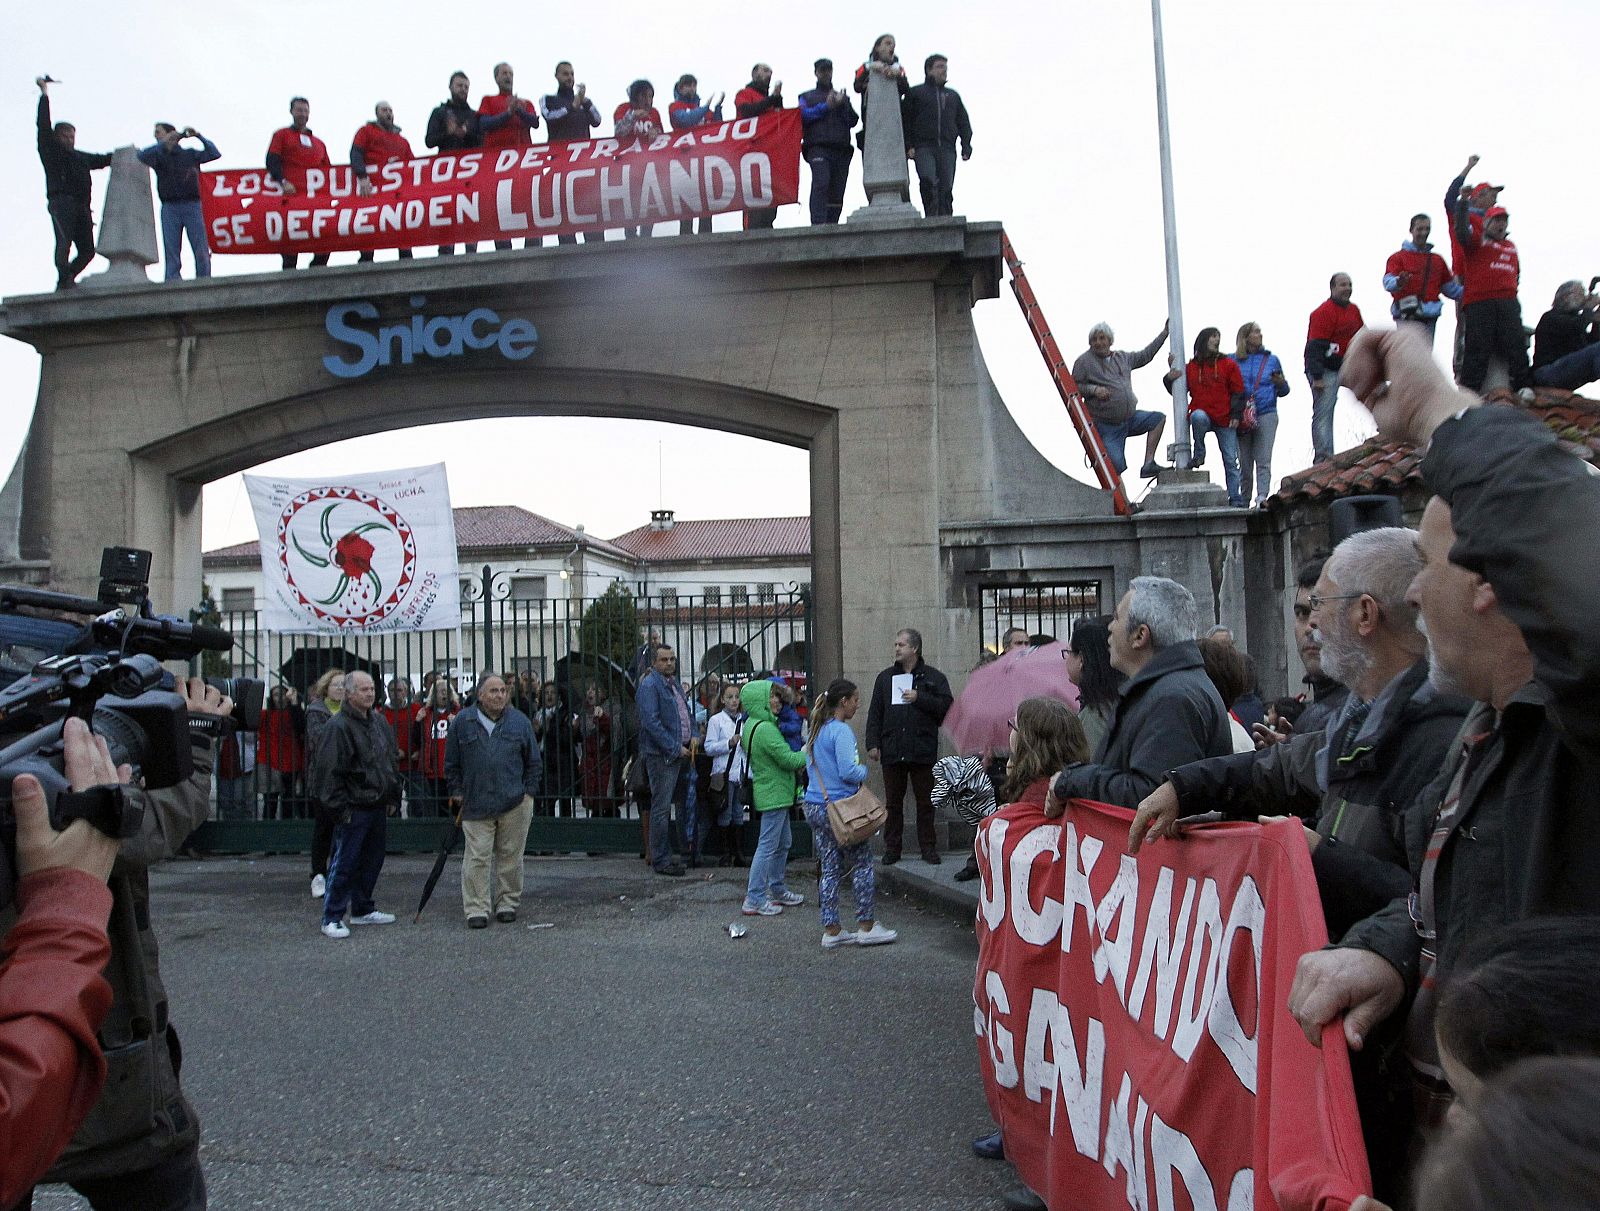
{"x": 319, "y": 886}
{"x": 477, "y": 922}
{"x": 335, "y": 929}
{"x": 674, "y": 869}
{"x": 832, "y": 941}
{"x": 789, "y": 899}
{"x": 769, "y": 909}
{"x": 373, "y": 918}
{"x": 1150, "y": 470}
{"x": 1196, "y": 463}
{"x": 876, "y": 936}
{"x": 506, "y": 915}
{"x": 1526, "y": 395}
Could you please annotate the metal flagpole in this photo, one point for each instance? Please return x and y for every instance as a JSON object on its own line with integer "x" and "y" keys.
{"x": 1180, "y": 389}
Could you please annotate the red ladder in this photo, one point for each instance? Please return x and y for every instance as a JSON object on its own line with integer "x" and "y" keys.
{"x": 1092, "y": 445}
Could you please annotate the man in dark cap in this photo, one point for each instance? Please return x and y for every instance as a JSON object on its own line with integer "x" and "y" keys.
{"x": 827, "y": 116}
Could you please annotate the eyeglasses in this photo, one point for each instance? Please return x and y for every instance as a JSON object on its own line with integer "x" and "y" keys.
{"x": 1011, "y": 725}
{"x": 1069, "y": 652}
{"x": 1317, "y": 602}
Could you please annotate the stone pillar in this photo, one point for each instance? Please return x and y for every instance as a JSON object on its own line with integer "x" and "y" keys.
{"x": 883, "y": 164}
{"x": 128, "y": 229}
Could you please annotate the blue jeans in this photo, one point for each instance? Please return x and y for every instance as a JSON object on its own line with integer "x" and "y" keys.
{"x": 1255, "y": 455}
{"x": 1322, "y": 414}
{"x": 177, "y": 218}
{"x": 1114, "y": 435}
{"x": 664, "y": 774}
{"x": 772, "y": 858}
{"x": 358, "y": 847}
{"x": 1572, "y": 371}
{"x": 1227, "y": 441}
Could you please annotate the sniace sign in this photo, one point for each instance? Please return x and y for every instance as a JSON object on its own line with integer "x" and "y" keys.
{"x": 364, "y": 349}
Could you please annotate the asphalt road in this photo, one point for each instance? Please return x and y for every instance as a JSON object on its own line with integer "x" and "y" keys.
{"x": 634, "y": 1056}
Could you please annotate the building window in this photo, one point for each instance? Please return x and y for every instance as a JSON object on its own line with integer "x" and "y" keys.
{"x": 669, "y": 597}
{"x": 739, "y": 594}
{"x": 767, "y": 593}
{"x": 713, "y": 594}
{"x": 529, "y": 588}
{"x": 238, "y": 601}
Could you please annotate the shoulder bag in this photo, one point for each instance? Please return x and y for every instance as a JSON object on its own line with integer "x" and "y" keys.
{"x": 855, "y": 819}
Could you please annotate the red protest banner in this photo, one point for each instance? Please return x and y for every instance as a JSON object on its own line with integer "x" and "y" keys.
{"x": 512, "y": 192}
{"x": 1134, "y": 1037}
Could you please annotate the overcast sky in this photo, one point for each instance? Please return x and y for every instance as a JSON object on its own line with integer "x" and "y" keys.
{"x": 1305, "y": 134}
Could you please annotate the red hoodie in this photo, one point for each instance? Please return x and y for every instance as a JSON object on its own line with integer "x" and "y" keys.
{"x": 1212, "y": 387}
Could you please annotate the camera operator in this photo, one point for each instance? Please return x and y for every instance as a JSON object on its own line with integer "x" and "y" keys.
{"x": 52, "y": 995}
{"x": 139, "y": 1145}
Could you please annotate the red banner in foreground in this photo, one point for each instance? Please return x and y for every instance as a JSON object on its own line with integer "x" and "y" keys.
{"x": 512, "y": 192}
{"x": 1134, "y": 1038}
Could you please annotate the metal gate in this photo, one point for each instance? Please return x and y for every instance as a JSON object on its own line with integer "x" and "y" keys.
{"x": 1040, "y": 609}
{"x": 573, "y": 663}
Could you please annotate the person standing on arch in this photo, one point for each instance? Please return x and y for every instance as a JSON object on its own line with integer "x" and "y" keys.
{"x": 762, "y": 95}
{"x": 67, "y": 188}
{"x": 293, "y": 152}
{"x": 827, "y": 115}
{"x": 569, "y": 113}
{"x": 377, "y": 143}
{"x": 506, "y": 120}
{"x": 910, "y": 699}
{"x": 935, "y": 119}
{"x": 453, "y": 127}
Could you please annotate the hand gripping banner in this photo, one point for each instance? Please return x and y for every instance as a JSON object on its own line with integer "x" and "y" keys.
{"x": 512, "y": 192}
{"x": 1134, "y": 1037}
{"x": 359, "y": 554}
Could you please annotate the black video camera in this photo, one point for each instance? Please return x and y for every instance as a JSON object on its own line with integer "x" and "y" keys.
{"x": 106, "y": 671}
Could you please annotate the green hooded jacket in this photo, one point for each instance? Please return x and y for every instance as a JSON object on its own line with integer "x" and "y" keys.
{"x": 773, "y": 764}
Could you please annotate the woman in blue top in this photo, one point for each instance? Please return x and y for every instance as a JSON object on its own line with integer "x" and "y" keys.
{"x": 833, "y": 764}
{"x": 1264, "y": 386}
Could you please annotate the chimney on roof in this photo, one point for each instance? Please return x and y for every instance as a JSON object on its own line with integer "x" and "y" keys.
{"x": 661, "y": 519}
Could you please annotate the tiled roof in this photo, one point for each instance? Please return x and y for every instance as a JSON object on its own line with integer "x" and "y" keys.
{"x": 1380, "y": 466}
{"x": 478, "y": 528}
{"x": 725, "y": 538}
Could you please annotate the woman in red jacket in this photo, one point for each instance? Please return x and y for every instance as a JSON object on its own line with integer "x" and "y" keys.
{"x": 1216, "y": 401}
{"x": 433, "y": 723}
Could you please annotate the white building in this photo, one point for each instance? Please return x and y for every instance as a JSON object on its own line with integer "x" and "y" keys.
{"x": 728, "y": 593}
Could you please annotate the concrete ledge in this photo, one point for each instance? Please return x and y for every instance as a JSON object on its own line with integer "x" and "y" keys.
{"x": 932, "y": 887}
{"x": 943, "y": 239}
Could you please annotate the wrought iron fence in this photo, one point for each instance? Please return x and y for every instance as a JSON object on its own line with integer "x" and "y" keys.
{"x": 574, "y": 663}
{"x": 1040, "y": 609}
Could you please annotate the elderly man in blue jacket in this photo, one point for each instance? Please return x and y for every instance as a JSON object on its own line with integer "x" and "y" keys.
{"x": 665, "y": 729}
{"x": 491, "y": 763}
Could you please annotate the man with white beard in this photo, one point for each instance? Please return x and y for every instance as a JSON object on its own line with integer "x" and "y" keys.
{"x": 1352, "y": 780}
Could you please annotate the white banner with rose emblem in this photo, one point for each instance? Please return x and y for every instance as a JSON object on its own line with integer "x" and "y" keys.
{"x": 359, "y": 554}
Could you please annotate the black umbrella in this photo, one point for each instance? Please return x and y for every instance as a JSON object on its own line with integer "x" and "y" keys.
{"x": 451, "y": 836}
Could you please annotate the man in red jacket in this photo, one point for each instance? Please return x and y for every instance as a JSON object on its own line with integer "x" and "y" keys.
{"x": 377, "y": 143}
{"x": 506, "y": 121}
{"x": 1333, "y": 325}
{"x": 759, "y": 96}
{"x": 293, "y": 152}
{"x": 52, "y": 995}
{"x": 1491, "y": 315}
{"x": 1417, "y": 277}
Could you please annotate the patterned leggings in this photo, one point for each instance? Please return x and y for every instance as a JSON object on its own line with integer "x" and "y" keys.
{"x": 862, "y": 880}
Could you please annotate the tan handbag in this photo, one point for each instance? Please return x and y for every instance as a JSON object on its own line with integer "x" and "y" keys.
{"x": 855, "y": 819}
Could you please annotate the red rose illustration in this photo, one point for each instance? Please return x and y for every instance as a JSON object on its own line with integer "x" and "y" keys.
{"x": 353, "y": 554}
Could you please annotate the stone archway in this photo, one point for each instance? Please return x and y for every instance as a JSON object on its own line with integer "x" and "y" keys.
{"x": 855, "y": 343}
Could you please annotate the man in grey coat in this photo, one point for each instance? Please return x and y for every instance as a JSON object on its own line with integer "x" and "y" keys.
{"x": 1105, "y": 380}
{"x": 491, "y": 762}
{"x": 1168, "y": 713}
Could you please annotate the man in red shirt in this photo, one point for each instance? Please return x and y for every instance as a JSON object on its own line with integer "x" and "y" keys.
{"x": 1417, "y": 276}
{"x": 761, "y": 95}
{"x": 293, "y": 151}
{"x": 377, "y": 143}
{"x": 1328, "y": 335}
{"x": 1491, "y": 315}
{"x": 506, "y": 120}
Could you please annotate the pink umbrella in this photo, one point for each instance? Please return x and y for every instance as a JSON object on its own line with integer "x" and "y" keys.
{"x": 980, "y": 719}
